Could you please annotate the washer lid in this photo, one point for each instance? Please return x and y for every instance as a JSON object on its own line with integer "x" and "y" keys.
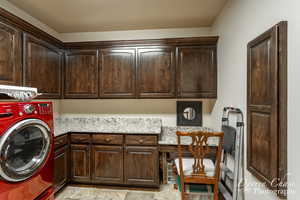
{"x": 24, "y": 149}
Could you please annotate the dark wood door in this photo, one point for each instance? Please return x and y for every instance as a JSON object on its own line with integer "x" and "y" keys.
{"x": 263, "y": 106}
{"x": 81, "y": 74}
{"x": 141, "y": 166}
{"x": 10, "y": 55}
{"x": 107, "y": 164}
{"x": 60, "y": 168}
{"x": 197, "y": 72}
{"x": 80, "y": 163}
{"x": 118, "y": 73}
{"x": 42, "y": 67}
{"x": 156, "y": 72}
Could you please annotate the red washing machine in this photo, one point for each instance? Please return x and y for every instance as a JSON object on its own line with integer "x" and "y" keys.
{"x": 26, "y": 151}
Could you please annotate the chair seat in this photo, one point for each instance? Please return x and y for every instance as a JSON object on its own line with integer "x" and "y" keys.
{"x": 187, "y": 163}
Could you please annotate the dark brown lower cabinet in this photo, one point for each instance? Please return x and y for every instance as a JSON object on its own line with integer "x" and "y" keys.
{"x": 114, "y": 159}
{"x": 141, "y": 166}
{"x": 107, "y": 164}
{"x": 80, "y": 163}
{"x": 60, "y": 168}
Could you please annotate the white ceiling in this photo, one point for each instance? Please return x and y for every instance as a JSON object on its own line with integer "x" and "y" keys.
{"x": 67, "y": 16}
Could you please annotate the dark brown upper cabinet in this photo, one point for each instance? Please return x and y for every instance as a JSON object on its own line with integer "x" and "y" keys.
{"x": 156, "y": 68}
{"x": 42, "y": 66}
{"x": 10, "y": 55}
{"x": 118, "y": 73}
{"x": 197, "y": 72}
{"x": 156, "y": 72}
{"x": 81, "y": 74}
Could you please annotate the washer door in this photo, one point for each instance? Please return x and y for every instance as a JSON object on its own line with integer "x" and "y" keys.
{"x": 24, "y": 149}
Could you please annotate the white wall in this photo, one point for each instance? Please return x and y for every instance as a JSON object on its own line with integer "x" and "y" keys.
{"x": 56, "y": 107}
{"x": 240, "y": 22}
{"x": 136, "y": 34}
{"x": 164, "y": 109}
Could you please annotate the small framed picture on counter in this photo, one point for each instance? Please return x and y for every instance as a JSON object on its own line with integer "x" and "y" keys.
{"x": 189, "y": 113}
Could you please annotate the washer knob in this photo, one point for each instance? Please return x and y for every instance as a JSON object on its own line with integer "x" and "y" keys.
{"x": 28, "y": 109}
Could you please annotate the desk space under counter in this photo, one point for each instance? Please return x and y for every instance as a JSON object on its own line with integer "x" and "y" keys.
{"x": 168, "y": 149}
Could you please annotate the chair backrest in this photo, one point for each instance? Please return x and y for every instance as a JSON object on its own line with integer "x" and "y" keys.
{"x": 199, "y": 148}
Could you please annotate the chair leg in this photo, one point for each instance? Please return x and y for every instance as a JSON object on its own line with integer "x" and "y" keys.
{"x": 183, "y": 194}
{"x": 186, "y": 196}
{"x": 216, "y": 191}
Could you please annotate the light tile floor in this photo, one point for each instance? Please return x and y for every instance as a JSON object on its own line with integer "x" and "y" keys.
{"x": 83, "y": 193}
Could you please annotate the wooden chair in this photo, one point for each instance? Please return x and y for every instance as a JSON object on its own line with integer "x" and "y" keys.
{"x": 199, "y": 169}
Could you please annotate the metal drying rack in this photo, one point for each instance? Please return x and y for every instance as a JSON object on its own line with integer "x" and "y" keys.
{"x": 232, "y": 181}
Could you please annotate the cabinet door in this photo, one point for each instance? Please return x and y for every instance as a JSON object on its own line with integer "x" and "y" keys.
{"x": 42, "y": 67}
{"x": 60, "y": 168}
{"x": 117, "y": 74}
{"x": 10, "y": 55}
{"x": 107, "y": 164}
{"x": 156, "y": 72}
{"x": 197, "y": 72}
{"x": 141, "y": 166}
{"x": 81, "y": 74}
{"x": 262, "y": 113}
{"x": 80, "y": 163}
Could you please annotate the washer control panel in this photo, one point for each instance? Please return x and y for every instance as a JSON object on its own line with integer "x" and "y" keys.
{"x": 45, "y": 108}
{"x": 24, "y": 109}
{"x": 29, "y": 109}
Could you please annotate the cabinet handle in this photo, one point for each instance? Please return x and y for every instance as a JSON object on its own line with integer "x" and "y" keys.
{"x": 107, "y": 139}
{"x": 141, "y": 141}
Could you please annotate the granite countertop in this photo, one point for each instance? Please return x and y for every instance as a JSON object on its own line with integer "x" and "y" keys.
{"x": 107, "y": 125}
{"x": 169, "y": 137}
{"x": 94, "y": 124}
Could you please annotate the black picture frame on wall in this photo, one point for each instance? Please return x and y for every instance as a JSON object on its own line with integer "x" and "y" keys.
{"x": 195, "y": 106}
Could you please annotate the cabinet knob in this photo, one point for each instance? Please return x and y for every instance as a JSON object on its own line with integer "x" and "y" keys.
{"x": 107, "y": 139}
{"x": 141, "y": 141}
